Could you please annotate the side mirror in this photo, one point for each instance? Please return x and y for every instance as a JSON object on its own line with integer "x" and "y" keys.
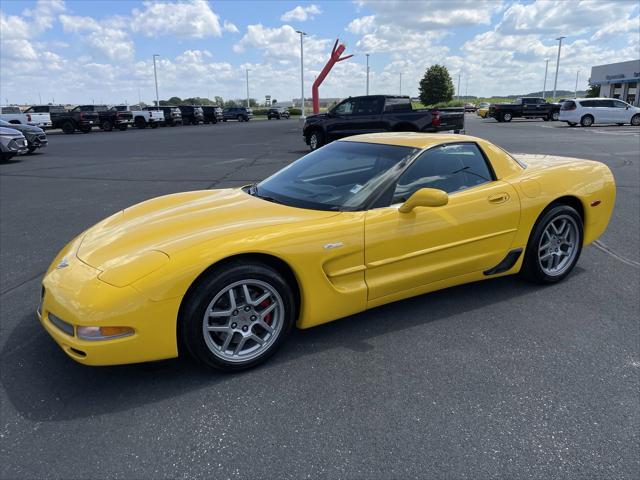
{"x": 425, "y": 197}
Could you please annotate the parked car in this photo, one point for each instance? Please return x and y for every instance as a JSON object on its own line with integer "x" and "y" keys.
{"x": 483, "y": 110}
{"x": 378, "y": 113}
{"x": 14, "y": 115}
{"x": 241, "y": 114}
{"x": 191, "y": 114}
{"x": 212, "y": 114}
{"x": 360, "y": 223}
{"x": 12, "y": 143}
{"x": 587, "y": 111}
{"x": 68, "y": 121}
{"x": 525, "y": 107}
{"x": 108, "y": 119}
{"x": 470, "y": 107}
{"x": 172, "y": 115}
{"x": 36, "y": 138}
{"x": 142, "y": 118}
{"x": 277, "y": 112}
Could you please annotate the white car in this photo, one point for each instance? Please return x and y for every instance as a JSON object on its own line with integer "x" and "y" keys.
{"x": 142, "y": 118}
{"x": 588, "y": 111}
{"x": 16, "y": 116}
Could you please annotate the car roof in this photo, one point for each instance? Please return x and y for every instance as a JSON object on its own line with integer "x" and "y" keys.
{"x": 410, "y": 139}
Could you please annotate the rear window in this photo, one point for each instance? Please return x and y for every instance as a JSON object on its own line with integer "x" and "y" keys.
{"x": 11, "y": 110}
{"x": 568, "y": 105}
{"x": 397, "y": 105}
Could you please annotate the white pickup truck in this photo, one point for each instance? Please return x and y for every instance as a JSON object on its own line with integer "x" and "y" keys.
{"x": 14, "y": 115}
{"x": 142, "y": 118}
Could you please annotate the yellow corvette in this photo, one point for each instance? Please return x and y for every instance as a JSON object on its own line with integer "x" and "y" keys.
{"x": 225, "y": 274}
{"x": 483, "y": 110}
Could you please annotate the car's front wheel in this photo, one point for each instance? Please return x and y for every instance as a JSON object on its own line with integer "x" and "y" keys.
{"x": 554, "y": 246}
{"x": 586, "y": 121}
{"x": 506, "y": 117}
{"x": 635, "y": 120}
{"x": 238, "y": 316}
{"x": 315, "y": 139}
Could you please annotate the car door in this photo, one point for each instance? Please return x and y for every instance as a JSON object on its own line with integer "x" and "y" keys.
{"x": 472, "y": 233}
{"x": 620, "y": 112}
{"x": 602, "y": 111}
{"x": 338, "y": 120}
{"x": 367, "y": 115}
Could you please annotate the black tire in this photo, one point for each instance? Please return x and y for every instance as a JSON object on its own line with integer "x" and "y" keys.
{"x": 572, "y": 124}
{"x": 68, "y": 127}
{"x": 531, "y": 268}
{"x": 107, "y": 126}
{"x": 240, "y": 118}
{"x": 122, "y": 128}
{"x": 507, "y": 117}
{"x": 32, "y": 149}
{"x": 586, "y": 121}
{"x": 85, "y": 129}
{"x": 315, "y": 139}
{"x": 555, "y": 116}
{"x": 154, "y": 125}
{"x": 547, "y": 118}
{"x": 224, "y": 119}
{"x": 269, "y": 118}
{"x": 635, "y": 120}
{"x": 192, "y": 312}
{"x": 619, "y": 124}
{"x": 141, "y": 123}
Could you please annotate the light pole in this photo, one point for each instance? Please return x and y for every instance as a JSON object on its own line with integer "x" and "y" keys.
{"x": 458, "y": 90}
{"x": 155, "y": 76}
{"x": 248, "y": 88}
{"x": 302, "y": 112}
{"x": 544, "y": 86}
{"x": 575, "y": 91}
{"x": 555, "y": 82}
{"x": 367, "y": 73}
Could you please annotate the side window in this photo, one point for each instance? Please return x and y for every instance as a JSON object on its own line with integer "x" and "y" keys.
{"x": 345, "y": 108}
{"x": 368, "y": 106}
{"x": 619, "y": 104}
{"x": 603, "y": 103}
{"x": 450, "y": 168}
{"x": 586, "y": 103}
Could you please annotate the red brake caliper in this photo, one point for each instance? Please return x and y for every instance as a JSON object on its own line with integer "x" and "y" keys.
{"x": 268, "y": 317}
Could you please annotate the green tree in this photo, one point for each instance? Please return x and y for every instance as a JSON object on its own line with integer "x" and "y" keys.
{"x": 593, "y": 91}
{"x": 219, "y": 100}
{"x": 173, "y": 101}
{"x": 436, "y": 85}
{"x": 274, "y": 101}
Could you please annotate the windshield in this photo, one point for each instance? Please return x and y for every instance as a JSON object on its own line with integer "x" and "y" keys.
{"x": 339, "y": 176}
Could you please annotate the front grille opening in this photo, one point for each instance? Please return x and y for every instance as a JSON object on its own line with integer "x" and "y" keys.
{"x": 80, "y": 353}
{"x": 61, "y": 324}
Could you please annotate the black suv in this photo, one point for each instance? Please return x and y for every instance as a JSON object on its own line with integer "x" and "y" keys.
{"x": 211, "y": 114}
{"x": 191, "y": 115}
{"x": 277, "y": 112}
{"x": 242, "y": 114}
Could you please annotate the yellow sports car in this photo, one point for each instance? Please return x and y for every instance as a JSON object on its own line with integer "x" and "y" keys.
{"x": 483, "y": 110}
{"x": 225, "y": 274}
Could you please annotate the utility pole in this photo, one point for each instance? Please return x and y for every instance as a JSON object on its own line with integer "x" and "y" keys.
{"x": 458, "y": 90}
{"x": 302, "y": 112}
{"x": 555, "y": 82}
{"x": 155, "y": 76}
{"x": 248, "y": 105}
{"x": 466, "y": 89}
{"x": 367, "y": 73}
{"x": 544, "y": 86}
{"x": 400, "y": 83}
{"x": 40, "y": 98}
{"x": 575, "y": 91}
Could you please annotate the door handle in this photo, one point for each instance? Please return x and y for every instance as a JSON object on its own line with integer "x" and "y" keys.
{"x": 499, "y": 197}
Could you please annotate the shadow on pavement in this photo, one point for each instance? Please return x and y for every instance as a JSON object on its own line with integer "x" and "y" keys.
{"x": 43, "y": 384}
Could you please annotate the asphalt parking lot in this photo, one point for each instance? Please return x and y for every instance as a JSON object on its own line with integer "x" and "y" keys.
{"x": 499, "y": 379}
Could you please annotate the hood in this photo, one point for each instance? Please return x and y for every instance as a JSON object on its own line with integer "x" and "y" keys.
{"x": 10, "y": 132}
{"x": 27, "y": 129}
{"x": 315, "y": 117}
{"x": 175, "y": 222}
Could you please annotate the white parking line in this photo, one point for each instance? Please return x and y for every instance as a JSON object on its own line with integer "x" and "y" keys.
{"x": 626, "y": 131}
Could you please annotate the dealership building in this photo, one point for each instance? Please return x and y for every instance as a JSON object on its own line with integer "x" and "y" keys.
{"x": 618, "y": 80}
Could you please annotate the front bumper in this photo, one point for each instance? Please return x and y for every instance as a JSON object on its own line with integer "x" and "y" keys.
{"x": 16, "y": 146}
{"x": 75, "y": 295}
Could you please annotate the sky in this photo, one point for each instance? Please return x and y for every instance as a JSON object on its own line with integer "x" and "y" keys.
{"x": 82, "y": 51}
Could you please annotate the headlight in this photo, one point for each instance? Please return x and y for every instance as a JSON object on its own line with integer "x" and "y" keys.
{"x": 103, "y": 333}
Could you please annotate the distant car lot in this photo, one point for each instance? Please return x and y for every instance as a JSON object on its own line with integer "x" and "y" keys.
{"x": 495, "y": 379}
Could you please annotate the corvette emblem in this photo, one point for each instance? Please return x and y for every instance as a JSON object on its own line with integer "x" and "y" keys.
{"x": 63, "y": 263}
{"x": 329, "y": 246}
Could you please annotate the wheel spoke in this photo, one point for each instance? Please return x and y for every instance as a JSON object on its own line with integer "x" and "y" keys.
{"x": 220, "y": 313}
{"x": 256, "y": 339}
{"x": 247, "y": 295}
{"x": 232, "y": 299}
{"x": 268, "y": 310}
{"x": 262, "y": 298}
{"x": 227, "y": 341}
{"x": 545, "y": 256}
{"x": 239, "y": 346}
{"x": 218, "y": 328}
{"x": 264, "y": 325}
{"x": 544, "y": 247}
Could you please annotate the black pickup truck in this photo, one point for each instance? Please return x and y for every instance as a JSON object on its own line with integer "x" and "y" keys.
{"x": 68, "y": 121}
{"x": 107, "y": 119}
{"x": 525, "y": 107}
{"x": 212, "y": 114}
{"x": 378, "y": 113}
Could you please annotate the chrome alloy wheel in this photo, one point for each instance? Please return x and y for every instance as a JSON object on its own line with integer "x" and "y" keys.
{"x": 558, "y": 245}
{"x": 243, "y": 320}
{"x": 313, "y": 141}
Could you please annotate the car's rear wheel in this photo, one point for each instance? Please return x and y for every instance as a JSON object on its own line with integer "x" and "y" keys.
{"x": 554, "y": 246}
{"x": 586, "y": 121}
{"x": 238, "y": 316}
{"x": 122, "y": 128}
{"x": 141, "y": 123}
{"x": 68, "y": 128}
{"x": 240, "y": 118}
{"x": 506, "y": 117}
{"x": 555, "y": 116}
{"x": 107, "y": 126}
{"x": 635, "y": 120}
{"x": 315, "y": 139}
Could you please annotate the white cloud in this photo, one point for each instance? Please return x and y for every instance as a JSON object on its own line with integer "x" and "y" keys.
{"x": 362, "y": 25}
{"x": 230, "y": 27}
{"x": 105, "y": 39}
{"x": 630, "y": 25}
{"x": 192, "y": 19}
{"x": 301, "y": 14}
{"x": 282, "y": 42}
